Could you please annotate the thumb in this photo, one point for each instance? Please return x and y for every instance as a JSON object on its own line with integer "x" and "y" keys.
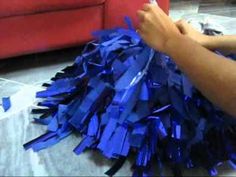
{"x": 181, "y": 26}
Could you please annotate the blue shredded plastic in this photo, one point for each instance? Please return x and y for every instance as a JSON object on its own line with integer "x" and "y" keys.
{"x": 124, "y": 98}
{"x": 6, "y": 103}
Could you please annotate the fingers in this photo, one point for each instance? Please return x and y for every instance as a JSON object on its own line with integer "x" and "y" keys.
{"x": 141, "y": 15}
{"x": 153, "y": 2}
{"x": 141, "y": 33}
{"x": 181, "y": 25}
{"x": 149, "y": 7}
{"x": 142, "y": 28}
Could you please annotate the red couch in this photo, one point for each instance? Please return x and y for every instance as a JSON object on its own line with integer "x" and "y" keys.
{"x": 29, "y": 26}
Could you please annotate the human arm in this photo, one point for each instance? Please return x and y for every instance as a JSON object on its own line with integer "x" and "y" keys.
{"x": 224, "y": 43}
{"x": 214, "y": 77}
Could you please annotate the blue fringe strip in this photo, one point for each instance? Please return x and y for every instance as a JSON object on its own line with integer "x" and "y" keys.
{"x": 123, "y": 97}
{"x": 6, "y": 103}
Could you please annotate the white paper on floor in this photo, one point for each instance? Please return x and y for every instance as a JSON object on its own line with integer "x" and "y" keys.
{"x": 227, "y": 25}
{"x": 23, "y": 99}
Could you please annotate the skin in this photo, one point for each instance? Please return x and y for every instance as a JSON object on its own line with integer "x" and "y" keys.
{"x": 213, "y": 75}
{"x": 226, "y": 43}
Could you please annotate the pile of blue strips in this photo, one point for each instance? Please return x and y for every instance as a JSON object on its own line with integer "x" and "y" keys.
{"x": 125, "y": 98}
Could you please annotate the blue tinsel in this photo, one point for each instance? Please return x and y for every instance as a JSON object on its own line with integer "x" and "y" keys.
{"x": 124, "y": 97}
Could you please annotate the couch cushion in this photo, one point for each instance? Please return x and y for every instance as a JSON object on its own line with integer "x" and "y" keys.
{"x": 48, "y": 31}
{"x": 24, "y": 7}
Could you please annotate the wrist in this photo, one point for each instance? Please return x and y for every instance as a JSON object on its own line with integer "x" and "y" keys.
{"x": 207, "y": 41}
{"x": 172, "y": 43}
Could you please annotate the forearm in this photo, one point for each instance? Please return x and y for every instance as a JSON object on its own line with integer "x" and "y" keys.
{"x": 225, "y": 43}
{"x": 213, "y": 75}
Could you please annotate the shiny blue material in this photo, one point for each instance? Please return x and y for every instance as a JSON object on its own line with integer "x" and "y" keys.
{"x": 124, "y": 98}
{"x": 6, "y": 103}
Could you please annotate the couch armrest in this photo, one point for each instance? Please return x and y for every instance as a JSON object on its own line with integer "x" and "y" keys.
{"x": 116, "y": 10}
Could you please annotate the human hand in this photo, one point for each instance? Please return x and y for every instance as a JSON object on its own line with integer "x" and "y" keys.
{"x": 187, "y": 30}
{"x": 156, "y": 28}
